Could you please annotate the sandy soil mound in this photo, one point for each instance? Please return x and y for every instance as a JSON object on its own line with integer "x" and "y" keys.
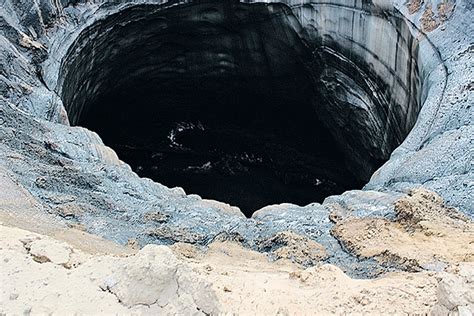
{"x": 297, "y": 248}
{"x": 425, "y": 234}
{"x": 42, "y": 275}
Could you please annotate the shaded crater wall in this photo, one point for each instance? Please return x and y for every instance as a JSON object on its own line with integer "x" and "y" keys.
{"x": 371, "y": 77}
{"x": 364, "y": 65}
{"x": 314, "y": 97}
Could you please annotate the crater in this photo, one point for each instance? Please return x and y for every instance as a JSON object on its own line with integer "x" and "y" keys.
{"x": 249, "y": 104}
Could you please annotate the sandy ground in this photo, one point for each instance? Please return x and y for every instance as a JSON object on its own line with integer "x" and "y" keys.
{"x": 40, "y": 274}
{"x": 46, "y": 268}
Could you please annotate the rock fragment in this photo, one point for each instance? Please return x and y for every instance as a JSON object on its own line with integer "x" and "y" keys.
{"x": 297, "y": 248}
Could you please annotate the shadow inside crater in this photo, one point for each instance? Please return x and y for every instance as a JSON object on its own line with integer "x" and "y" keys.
{"x": 230, "y": 102}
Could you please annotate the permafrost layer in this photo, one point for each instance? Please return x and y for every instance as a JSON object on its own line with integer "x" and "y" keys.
{"x": 74, "y": 176}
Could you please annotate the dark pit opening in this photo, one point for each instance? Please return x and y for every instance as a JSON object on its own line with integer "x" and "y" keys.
{"x": 223, "y": 99}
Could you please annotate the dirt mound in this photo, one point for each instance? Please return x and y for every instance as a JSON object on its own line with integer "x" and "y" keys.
{"x": 425, "y": 234}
